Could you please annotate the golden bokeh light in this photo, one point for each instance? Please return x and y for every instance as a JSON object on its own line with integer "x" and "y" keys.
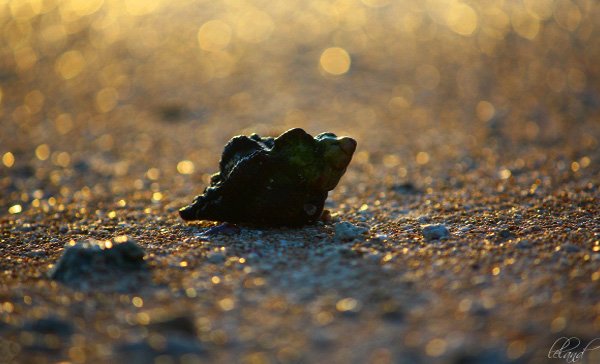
{"x": 214, "y": 35}
{"x": 347, "y": 304}
{"x": 153, "y": 173}
{"x": 567, "y": 14}
{"x": 462, "y": 19}
{"x": 422, "y": 158}
{"x": 62, "y": 159}
{"x": 34, "y": 101}
{"x": 8, "y": 159}
{"x": 70, "y": 64}
{"x": 42, "y": 152}
{"x": 106, "y": 99}
{"x": 157, "y": 196}
{"x": 436, "y": 347}
{"x": 541, "y": 9}
{"x": 15, "y": 209}
{"x": 335, "y": 61}
{"x": 25, "y": 57}
{"x": 485, "y": 111}
{"x": 185, "y": 167}
{"x": 63, "y": 123}
{"x": 25, "y": 10}
{"x": 71, "y": 10}
{"x": 254, "y": 26}
{"x": 137, "y": 302}
{"x": 525, "y": 24}
{"x": 141, "y": 7}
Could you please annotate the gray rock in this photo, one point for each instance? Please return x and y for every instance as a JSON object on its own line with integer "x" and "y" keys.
{"x": 91, "y": 261}
{"x": 435, "y": 232}
{"x": 346, "y": 231}
{"x": 424, "y": 219}
{"x": 504, "y": 234}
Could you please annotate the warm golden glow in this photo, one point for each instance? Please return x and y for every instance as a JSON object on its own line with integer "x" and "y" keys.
{"x": 142, "y": 7}
{"x": 485, "y": 110}
{"x": 525, "y": 24}
{"x": 567, "y": 15}
{"x": 541, "y": 9}
{"x": 335, "y": 61}
{"x": 72, "y": 10}
{"x": 185, "y": 167}
{"x": 214, "y": 35}
{"x": 70, "y": 64}
{"x": 42, "y": 152}
{"x": 376, "y": 3}
{"x": 462, "y": 19}
{"x": 106, "y": 99}
{"x": 8, "y": 159}
{"x": 15, "y": 209}
{"x": 157, "y": 196}
{"x": 254, "y": 26}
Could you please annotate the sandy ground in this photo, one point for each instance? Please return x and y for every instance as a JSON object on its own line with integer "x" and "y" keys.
{"x": 481, "y": 116}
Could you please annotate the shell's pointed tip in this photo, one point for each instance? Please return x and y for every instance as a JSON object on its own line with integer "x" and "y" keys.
{"x": 348, "y": 145}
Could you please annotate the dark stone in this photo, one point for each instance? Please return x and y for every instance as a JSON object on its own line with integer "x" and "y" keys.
{"x": 281, "y": 181}
{"x": 504, "y": 234}
{"x": 90, "y": 261}
{"x": 435, "y": 232}
{"x": 406, "y": 188}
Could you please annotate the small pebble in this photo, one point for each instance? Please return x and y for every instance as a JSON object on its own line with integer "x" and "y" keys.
{"x": 424, "y": 219}
{"x": 504, "y": 234}
{"x": 435, "y": 232}
{"x": 346, "y": 231}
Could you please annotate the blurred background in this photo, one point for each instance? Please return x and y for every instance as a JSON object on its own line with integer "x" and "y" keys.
{"x": 151, "y": 90}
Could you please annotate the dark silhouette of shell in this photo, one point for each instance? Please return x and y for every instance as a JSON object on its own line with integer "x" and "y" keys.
{"x": 273, "y": 181}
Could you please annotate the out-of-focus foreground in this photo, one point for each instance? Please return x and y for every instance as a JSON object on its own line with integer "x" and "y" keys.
{"x": 482, "y": 116}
